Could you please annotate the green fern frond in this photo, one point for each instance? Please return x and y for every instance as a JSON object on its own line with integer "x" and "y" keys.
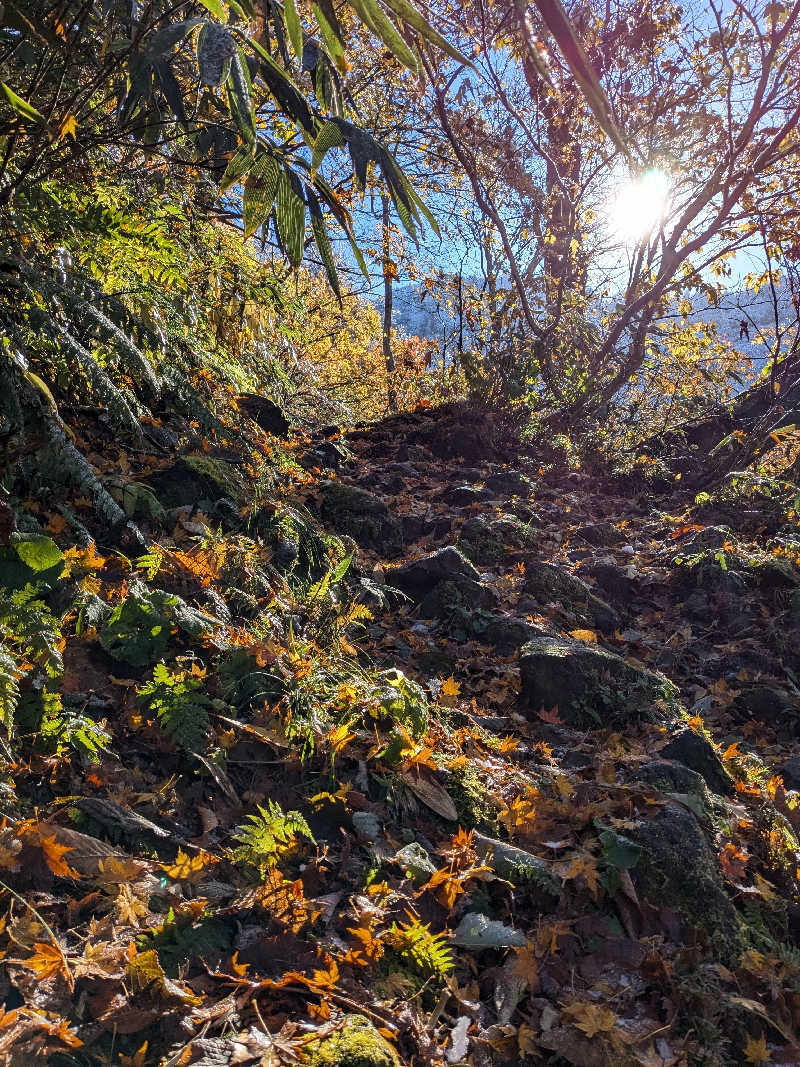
{"x": 181, "y": 709}
{"x": 429, "y": 952}
{"x": 269, "y": 833}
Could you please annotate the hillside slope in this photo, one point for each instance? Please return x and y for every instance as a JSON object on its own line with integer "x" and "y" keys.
{"x": 397, "y": 745}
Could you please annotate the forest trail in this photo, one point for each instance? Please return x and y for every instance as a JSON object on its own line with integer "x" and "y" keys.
{"x": 516, "y": 782}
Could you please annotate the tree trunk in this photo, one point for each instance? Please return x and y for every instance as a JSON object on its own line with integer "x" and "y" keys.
{"x": 388, "y": 278}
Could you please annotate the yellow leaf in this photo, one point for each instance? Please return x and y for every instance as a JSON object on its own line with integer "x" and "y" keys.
{"x": 564, "y": 786}
{"x": 68, "y": 126}
{"x": 138, "y": 1059}
{"x": 591, "y": 1018}
{"x": 756, "y": 1051}
{"x": 732, "y": 751}
{"x": 450, "y": 692}
{"x": 589, "y": 636}
{"x": 186, "y": 868}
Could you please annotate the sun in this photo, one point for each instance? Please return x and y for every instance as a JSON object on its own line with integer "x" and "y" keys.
{"x": 639, "y": 205}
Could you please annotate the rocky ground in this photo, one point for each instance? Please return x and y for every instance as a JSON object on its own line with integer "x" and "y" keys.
{"x": 402, "y": 745}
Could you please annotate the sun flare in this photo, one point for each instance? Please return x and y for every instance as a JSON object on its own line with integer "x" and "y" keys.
{"x": 639, "y": 205}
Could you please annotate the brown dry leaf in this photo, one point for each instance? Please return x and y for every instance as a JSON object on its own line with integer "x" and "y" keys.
{"x": 591, "y": 1018}
{"x": 432, "y": 794}
{"x": 128, "y": 907}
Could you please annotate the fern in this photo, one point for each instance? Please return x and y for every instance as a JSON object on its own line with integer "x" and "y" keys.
{"x": 269, "y": 833}
{"x": 30, "y": 640}
{"x": 181, "y": 709}
{"x": 415, "y": 942}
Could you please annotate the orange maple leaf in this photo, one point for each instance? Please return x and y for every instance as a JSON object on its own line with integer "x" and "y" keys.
{"x": 551, "y": 716}
{"x": 756, "y": 1051}
{"x": 733, "y": 861}
{"x": 54, "y": 856}
{"x": 47, "y": 960}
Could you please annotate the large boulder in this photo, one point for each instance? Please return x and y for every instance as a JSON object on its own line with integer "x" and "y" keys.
{"x": 196, "y": 478}
{"x": 419, "y": 576}
{"x": 593, "y": 687}
{"x": 697, "y": 753}
{"x": 265, "y": 413}
{"x": 488, "y": 541}
{"x": 678, "y": 869}
{"x": 458, "y": 599}
{"x": 508, "y": 483}
{"x": 549, "y": 584}
{"x": 363, "y": 516}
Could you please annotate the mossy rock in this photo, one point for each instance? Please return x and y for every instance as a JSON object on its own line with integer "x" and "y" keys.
{"x": 550, "y": 584}
{"x": 363, "y": 516}
{"x": 195, "y": 478}
{"x": 593, "y": 687}
{"x": 356, "y": 1044}
{"x": 470, "y": 795}
{"x": 487, "y": 541}
{"x": 696, "y": 752}
{"x": 678, "y": 869}
{"x": 459, "y": 597}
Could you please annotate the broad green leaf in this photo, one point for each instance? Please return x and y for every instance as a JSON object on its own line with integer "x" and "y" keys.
{"x": 217, "y": 9}
{"x": 330, "y": 31}
{"x": 240, "y": 97}
{"x": 294, "y": 30}
{"x": 285, "y": 91}
{"x": 164, "y": 40}
{"x": 240, "y": 163}
{"x": 259, "y": 191}
{"x": 373, "y": 16}
{"x": 559, "y": 25}
{"x": 330, "y": 136}
{"x": 290, "y": 213}
{"x": 39, "y": 552}
{"x": 22, "y": 107}
{"x": 417, "y": 21}
{"x": 326, "y": 255}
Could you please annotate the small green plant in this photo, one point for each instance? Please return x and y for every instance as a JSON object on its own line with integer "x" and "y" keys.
{"x": 30, "y": 644}
{"x": 415, "y": 942}
{"x": 267, "y": 834}
{"x": 181, "y": 708}
{"x": 138, "y": 630}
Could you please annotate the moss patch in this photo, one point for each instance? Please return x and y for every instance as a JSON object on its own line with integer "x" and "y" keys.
{"x": 357, "y": 1044}
{"x": 470, "y": 795}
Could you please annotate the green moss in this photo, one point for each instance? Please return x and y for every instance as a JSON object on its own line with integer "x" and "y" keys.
{"x": 357, "y": 1044}
{"x": 194, "y": 478}
{"x": 470, "y": 795}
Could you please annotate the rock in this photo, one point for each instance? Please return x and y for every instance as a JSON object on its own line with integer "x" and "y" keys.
{"x": 548, "y": 584}
{"x": 326, "y": 455}
{"x": 599, "y": 534}
{"x": 790, "y": 772}
{"x": 488, "y": 541}
{"x": 509, "y": 482}
{"x": 669, "y": 776}
{"x": 194, "y": 478}
{"x": 419, "y": 576}
{"x": 461, "y": 496}
{"x": 698, "y": 754}
{"x": 266, "y": 413}
{"x": 514, "y": 864}
{"x": 612, "y": 580}
{"x": 767, "y": 703}
{"x": 591, "y": 686}
{"x": 477, "y": 932}
{"x": 416, "y": 863}
{"x": 366, "y": 826}
{"x": 356, "y": 1044}
{"x": 711, "y": 539}
{"x": 362, "y": 515}
{"x": 775, "y": 573}
{"x": 507, "y": 633}
{"x": 457, "y": 596}
{"x": 678, "y": 869}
